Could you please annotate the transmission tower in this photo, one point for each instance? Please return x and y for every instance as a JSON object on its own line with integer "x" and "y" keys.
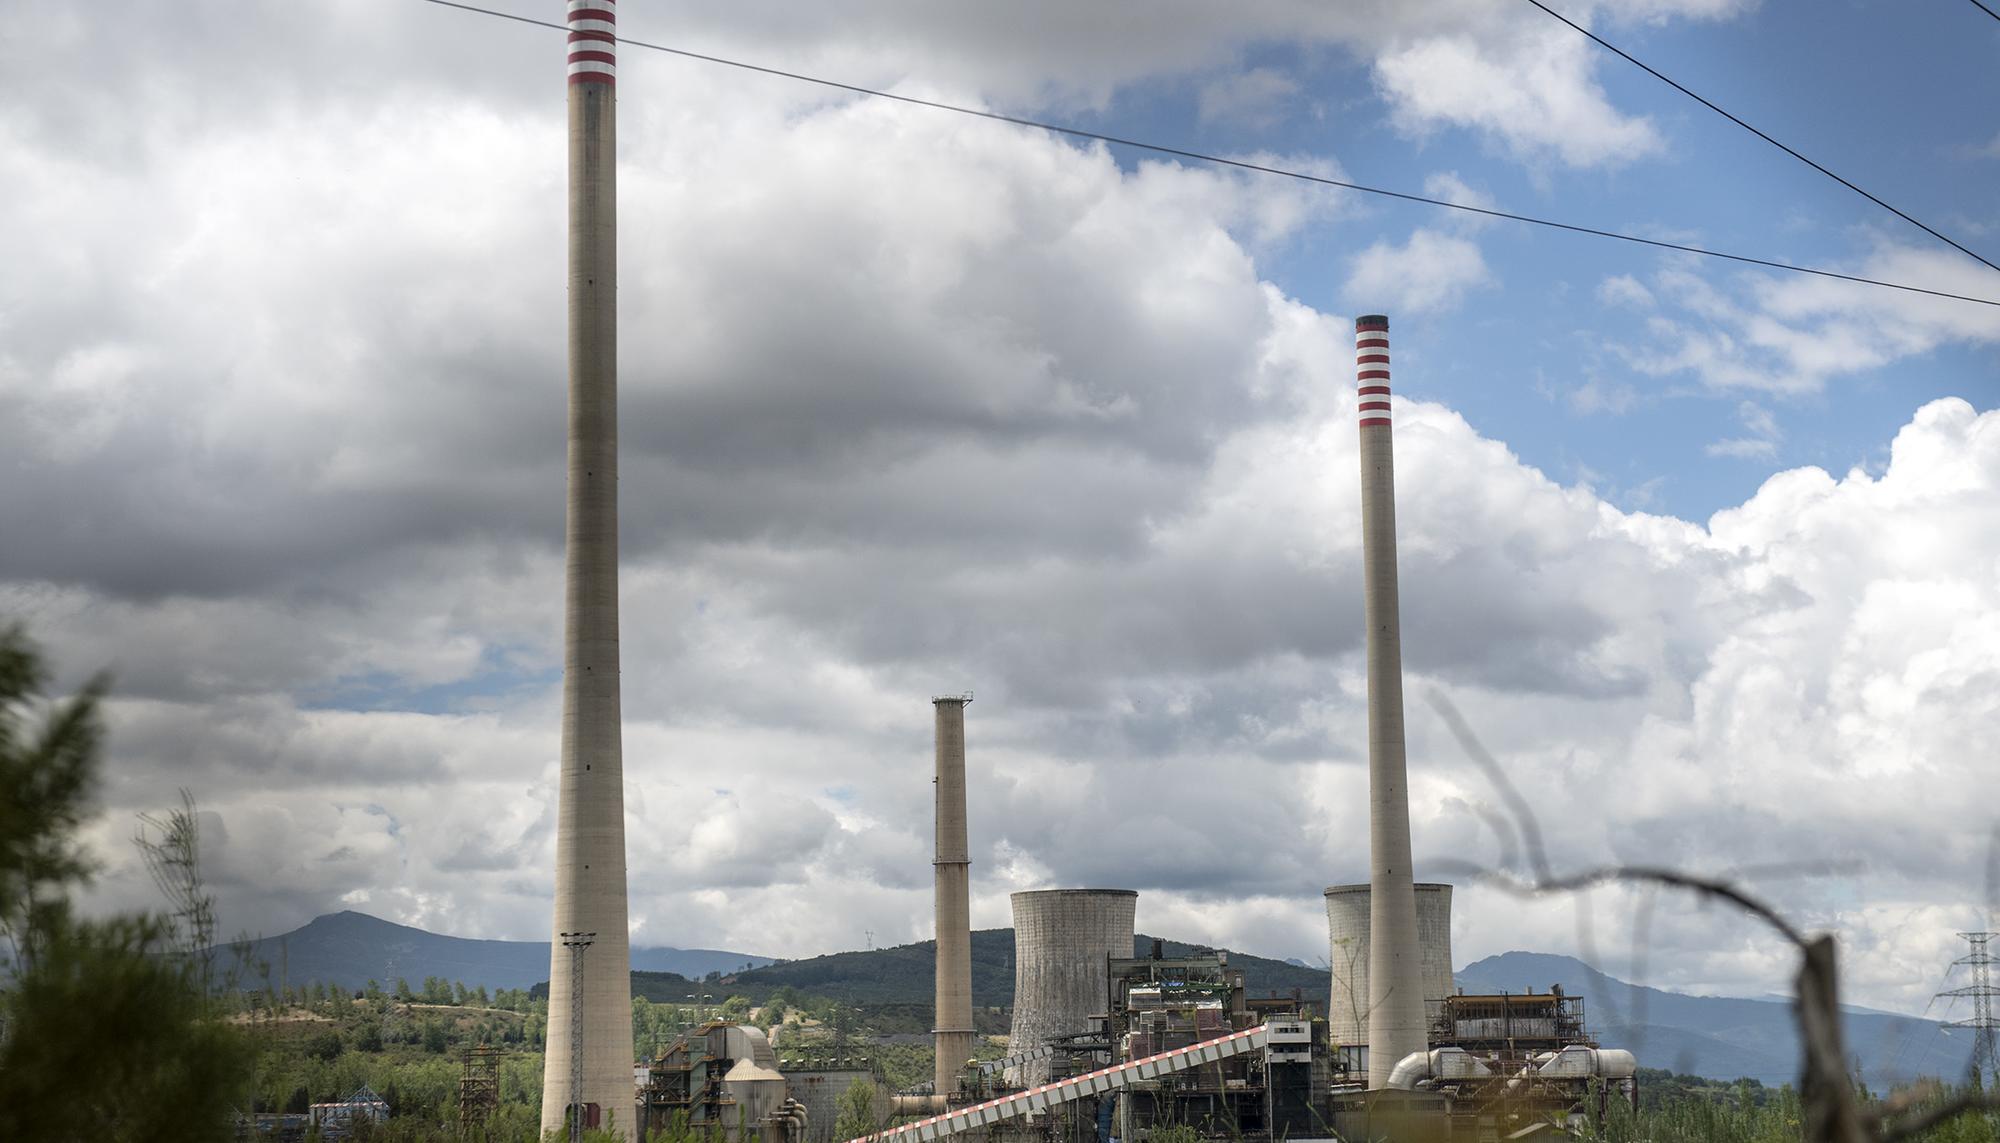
{"x": 1981, "y": 992}
{"x": 576, "y": 943}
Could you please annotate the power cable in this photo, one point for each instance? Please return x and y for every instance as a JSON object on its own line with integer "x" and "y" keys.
{"x": 1629, "y": 58}
{"x": 1985, "y": 9}
{"x": 1239, "y": 164}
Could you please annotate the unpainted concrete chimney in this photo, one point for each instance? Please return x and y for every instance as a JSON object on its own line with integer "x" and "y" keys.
{"x": 952, "y": 1034}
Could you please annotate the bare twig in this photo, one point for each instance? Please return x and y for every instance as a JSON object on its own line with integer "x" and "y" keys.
{"x": 1503, "y": 833}
{"x": 1707, "y": 887}
{"x": 1826, "y": 1092}
{"x": 1524, "y": 814}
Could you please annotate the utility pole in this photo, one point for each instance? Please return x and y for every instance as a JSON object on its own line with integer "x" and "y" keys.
{"x": 577, "y": 944}
{"x": 1985, "y": 1066}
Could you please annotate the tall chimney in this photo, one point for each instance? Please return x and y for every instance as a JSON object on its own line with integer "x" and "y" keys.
{"x": 953, "y": 1032}
{"x": 590, "y": 821}
{"x": 1395, "y": 974}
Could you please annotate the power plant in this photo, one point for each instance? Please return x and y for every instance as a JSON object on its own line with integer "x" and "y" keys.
{"x": 1104, "y": 1044}
{"x": 587, "y": 1068}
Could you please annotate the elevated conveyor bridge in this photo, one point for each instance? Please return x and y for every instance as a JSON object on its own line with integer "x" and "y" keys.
{"x": 1050, "y": 1095}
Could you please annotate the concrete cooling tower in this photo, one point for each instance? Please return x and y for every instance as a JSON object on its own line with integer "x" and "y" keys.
{"x": 1347, "y": 932}
{"x": 1061, "y": 940}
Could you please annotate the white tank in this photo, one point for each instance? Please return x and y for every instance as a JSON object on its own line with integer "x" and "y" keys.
{"x": 1061, "y": 940}
{"x": 1347, "y": 952}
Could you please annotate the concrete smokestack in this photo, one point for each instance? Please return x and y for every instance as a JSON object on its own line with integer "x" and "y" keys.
{"x": 953, "y": 870}
{"x": 1395, "y": 974}
{"x": 590, "y": 822}
{"x": 1061, "y": 940}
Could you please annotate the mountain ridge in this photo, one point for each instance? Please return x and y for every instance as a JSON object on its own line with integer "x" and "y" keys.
{"x": 350, "y": 948}
{"x": 1717, "y": 1036}
{"x": 1724, "y": 1037}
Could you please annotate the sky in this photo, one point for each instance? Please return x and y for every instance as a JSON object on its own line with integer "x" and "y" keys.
{"x": 1707, "y": 556}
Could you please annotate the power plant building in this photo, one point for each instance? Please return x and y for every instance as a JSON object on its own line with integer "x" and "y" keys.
{"x": 1063, "y": 941}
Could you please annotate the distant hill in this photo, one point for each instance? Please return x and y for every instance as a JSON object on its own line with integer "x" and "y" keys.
{"x": 349, "y": 949}
{"x": 904, "y": 974}
{"x": 1717, "y": 1036}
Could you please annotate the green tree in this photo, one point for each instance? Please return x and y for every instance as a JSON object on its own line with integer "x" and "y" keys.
{"x": 109, "y": 1035}
{"x": 858, "y": 1114}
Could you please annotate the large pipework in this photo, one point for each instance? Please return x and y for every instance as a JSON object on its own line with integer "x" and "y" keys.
{"x": 590, "y": 1006}
{"x": 1573, "y": 1062}
{"x": 1062, "y": 941}
{"x": 952, "y": 1034}
{"x": 1395, "y": 979}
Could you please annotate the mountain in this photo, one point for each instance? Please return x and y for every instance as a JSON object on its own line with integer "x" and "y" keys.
{"x": 904, "y": 974}
{"x": 1718, "y": 1036}
{"x": 1715, "y": 1036}
{"x": 349, "y": 949}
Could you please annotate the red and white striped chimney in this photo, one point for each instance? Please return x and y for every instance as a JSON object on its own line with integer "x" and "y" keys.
{"x": 593, "y": 41}
{"x": 1371, "y": 369}
{"x": 1395, "y": 979}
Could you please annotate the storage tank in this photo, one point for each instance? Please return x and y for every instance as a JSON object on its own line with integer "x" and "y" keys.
{"x": 1347, "y": 951}
{"x": 1061, "y": 940}
{"x": 758, "y": 1091}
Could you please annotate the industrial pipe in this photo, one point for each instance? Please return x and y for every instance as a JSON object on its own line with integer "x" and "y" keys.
{"x": 1437, "y": 1064}
{"x": 900, "y": 1105}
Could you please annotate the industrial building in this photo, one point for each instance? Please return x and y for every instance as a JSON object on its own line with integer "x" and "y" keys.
{"x": 721, "y": 1080}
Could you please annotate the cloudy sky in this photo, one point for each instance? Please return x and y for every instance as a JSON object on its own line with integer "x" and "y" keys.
{"x": 914, "y": 403}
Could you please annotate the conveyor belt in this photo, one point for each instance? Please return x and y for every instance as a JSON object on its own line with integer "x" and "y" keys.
{"x": 1077, "y": 1087}
{"x": 991, "y": 1066}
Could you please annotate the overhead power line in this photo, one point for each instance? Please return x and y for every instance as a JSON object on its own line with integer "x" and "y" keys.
{"x": 1985, "y": 9}
{"x": 1239, "y": 164}
{"x": 1642, "y": 65}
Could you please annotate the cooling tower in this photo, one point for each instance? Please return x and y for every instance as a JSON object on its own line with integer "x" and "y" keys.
{"x": 952, "y": 1034}
{"x": 1347, "y": 932}
{"x": 1061, "y": 940}
{"x": 1396, "y": 1024}
{"x": 590, "y": 1012}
